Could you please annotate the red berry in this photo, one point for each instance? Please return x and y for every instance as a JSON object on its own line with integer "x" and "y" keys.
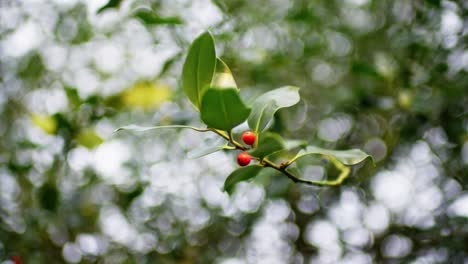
{"x": 16, "y": 259}
{"x": 249, "y": 137}
{"x": 243, "y": 159}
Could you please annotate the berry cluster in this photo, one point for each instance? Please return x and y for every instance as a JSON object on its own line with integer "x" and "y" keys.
{"x": 249, "y": 138}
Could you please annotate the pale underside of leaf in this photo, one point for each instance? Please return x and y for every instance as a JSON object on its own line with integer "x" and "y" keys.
{"x": 267, "y": 104}
{"x": 137, "y": 128}
{"x": 347, "y": 157}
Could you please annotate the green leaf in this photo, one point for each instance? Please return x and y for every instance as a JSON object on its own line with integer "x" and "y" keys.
{"x": 109, "y": 5}
{"x": 223, "y": 109}
{"x": 223, "y": 76}
{"x": 268, "y": 143}
{"x": 137, "y": 128}
{"x": 49, "y": 197}
{"x": 295, "y": 143}
{"x": 199, "y": 68}
{"x": 365, "y": 69}
{"x": 347, "y": 157}
{"x": 266, "y": 105}
{"x": 239, "y": 175}
{"x": 149, "y": 17}
{"x": 217, "y": 145}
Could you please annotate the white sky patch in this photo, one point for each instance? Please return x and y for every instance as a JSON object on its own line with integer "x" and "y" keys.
{"x": 146, "y": 62}
{"x": 322, "y": 234}
{"x": 392, "y": 189}
{"x": 202, "y": 14}
{"x": 357, "y": 2}
{"x": 66, "y": 3}
{"x": 459, "y": 207}
{"x": 323, "y": 73}
{"x": 108, "y": 57}
{"x": 94, "y": 5}
{"x": 347, "y": 213}
{"x": 451, "y": 23}
{"x": 359, "y": 237}
{"x": 333, "y": 128}
{"x": 92, "y": 244}
{"x": 464, "y": 152}
{"x": 410, "y": 189}
{"x": 47, "y": 101}
{"x": 80, "y": 158}
{"x": 396, "y": 246}
{"x": 55, "y": 57}
{"x": 86, "y": 82}
{"x": 114, "y": 225}
{"x": 109, "y": 162}
{"x": 27, "y": 37}
{"x": 71, "y": 253}
{"x": 376, "y": 218}
{"x": 268, "y": 242}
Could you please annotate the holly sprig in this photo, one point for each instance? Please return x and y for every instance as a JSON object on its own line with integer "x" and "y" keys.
{"x": 209, "y": 85}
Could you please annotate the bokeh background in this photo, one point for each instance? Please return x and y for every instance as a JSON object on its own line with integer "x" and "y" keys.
{"x": 387, "y": 76}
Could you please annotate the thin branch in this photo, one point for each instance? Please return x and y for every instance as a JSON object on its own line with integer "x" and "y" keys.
{"x": 229, "y": 138}
{"x": 345, "y": 171}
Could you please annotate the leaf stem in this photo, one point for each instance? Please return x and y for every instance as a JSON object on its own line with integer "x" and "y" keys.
{"x": 345, "y": 171}
{"x": 228, "y": 137}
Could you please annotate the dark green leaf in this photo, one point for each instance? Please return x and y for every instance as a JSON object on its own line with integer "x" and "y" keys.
{"x": 267, "y": 104}
{"x": 347, "y": 157}
{"x": 199, "y": 68}
{"x": 223, "y": 109}
{"x": 268, "y": 143}
{"x": 109, "y": 5}
{"x": 239, "y": 175}
{"x": 149, "y": 17}
{"x": 363, "y": 68}
{"x": 49, "y": 197}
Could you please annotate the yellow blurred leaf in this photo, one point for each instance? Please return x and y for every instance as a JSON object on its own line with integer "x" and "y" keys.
{"x": 223, "y": 76}
{"x": 89, "y": 139}
{"x": 47, "y": 123}
{"x": 405, "y": 99}
{"x": 146, "y": 95}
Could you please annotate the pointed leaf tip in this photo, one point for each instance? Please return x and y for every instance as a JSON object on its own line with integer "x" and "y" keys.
{"x": 267, "y": 104}
{"x": 199, "y": 68}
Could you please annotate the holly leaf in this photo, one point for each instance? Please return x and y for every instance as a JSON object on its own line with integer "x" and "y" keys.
{"x": 265, "y": 106}
{"x": 239, "y": 175}
{"x": 347, "y": 157}
{"x": 223, "y": 109}
{"x": 268, "y": 143}
{"x": 199, "y": 68}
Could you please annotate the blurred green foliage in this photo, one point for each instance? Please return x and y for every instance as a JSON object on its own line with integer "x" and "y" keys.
{"x": 386, "y": 76}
